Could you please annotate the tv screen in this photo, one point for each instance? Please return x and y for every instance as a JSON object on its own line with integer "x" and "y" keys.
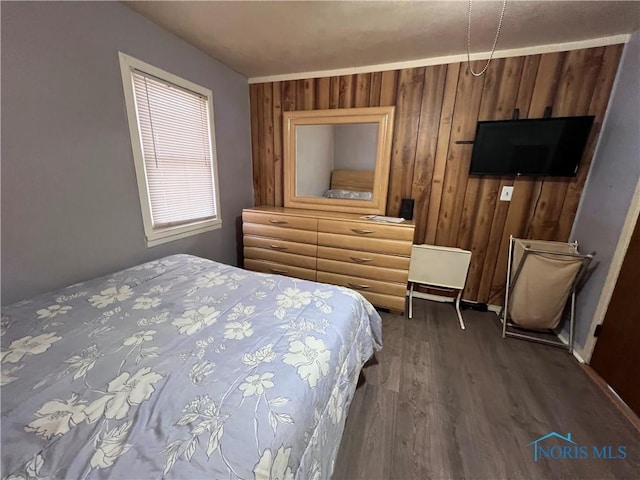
{"x": 542, "y": 146}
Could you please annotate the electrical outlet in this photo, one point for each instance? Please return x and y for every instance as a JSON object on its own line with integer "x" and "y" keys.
{"x": 506, "y": 194}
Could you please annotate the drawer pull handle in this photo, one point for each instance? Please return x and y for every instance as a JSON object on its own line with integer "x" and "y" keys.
{"x": 277, "y": 247}
{"x": 361, "y": 231}
{"x": 278, "y": 222}
{"x": 359, "y": 285}
{"x": 361, "y": 260}
{"x": 278, "y": 271}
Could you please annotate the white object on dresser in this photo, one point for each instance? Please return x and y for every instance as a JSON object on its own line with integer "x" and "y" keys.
{"x": 439, "y": 267}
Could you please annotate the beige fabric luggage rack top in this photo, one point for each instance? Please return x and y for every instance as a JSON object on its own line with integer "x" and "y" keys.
{"x": 541, "y": 277}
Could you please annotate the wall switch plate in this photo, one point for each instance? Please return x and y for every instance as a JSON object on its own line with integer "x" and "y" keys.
{"x": 506, "y": 194}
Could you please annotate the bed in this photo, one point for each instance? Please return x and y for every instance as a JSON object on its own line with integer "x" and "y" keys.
{"x": 182, "y": 368}
{"x": 351, "y": 184}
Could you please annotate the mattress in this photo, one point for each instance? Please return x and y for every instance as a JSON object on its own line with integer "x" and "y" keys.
{"x": 182, "y": 368}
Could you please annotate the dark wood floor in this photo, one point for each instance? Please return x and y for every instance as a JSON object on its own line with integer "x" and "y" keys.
{"x": 443, "y": 403}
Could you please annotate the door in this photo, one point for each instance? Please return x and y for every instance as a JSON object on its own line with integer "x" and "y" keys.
{"x": 616, "y": 357}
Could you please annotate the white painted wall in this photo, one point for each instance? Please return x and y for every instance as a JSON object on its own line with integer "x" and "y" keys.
{"x": 314, "y": 159}
{"x": 70, "y": 208}
{"x": 609, "y": 190}
{"x": 355, "y": 146}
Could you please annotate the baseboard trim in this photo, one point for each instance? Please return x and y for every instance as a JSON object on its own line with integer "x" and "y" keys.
{"x": 576, "y": 353}
{"x": 629, "y": 414}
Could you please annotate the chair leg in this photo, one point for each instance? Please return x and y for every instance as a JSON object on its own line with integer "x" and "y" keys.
{"x": 458, "y": 310}
{"x": 506, "y": 289}
{"x": 411, "y": 300}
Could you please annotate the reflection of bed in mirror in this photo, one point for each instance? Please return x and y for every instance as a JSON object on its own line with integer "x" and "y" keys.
{"x": 352, "y": 184}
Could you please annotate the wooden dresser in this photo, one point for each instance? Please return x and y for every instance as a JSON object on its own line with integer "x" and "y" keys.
{"x": 331, "y": 247}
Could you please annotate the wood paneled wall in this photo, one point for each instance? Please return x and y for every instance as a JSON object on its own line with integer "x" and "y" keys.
{"x": 435, "y": 107}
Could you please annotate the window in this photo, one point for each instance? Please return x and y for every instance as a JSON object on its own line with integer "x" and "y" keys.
{"x": 172, "y": 136}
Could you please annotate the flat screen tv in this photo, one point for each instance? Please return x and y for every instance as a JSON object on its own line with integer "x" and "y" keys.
{"x": 541, "y": 146}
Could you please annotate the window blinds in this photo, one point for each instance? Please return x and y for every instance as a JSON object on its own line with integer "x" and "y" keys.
{"x": 176, "y": 146}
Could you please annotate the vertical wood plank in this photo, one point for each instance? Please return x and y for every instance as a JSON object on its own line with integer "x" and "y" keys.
{"x": 267, "y": 171}
{"x": 345, "y": 99}
{"x": 334, "y": 92}
{"x": 374, "y": 89}
{"x": 388, "y": 88}
{"x": 362, "y": 86}
{"x": 255, "y": 141}
{"x": 309, "y": 94}
{"x": 300, "y": 94}
{"x": 323, "y": 92}
{"x": 577, "y": 82}
{"x": 430, "y": 112}
{"x": 405, "y": 133}
{"x": 465, "y": 117}
{"x": 442, "y": 149}
{"x": 527, "y": 84}
{"x": 546, "y": 84}
{"x": 278, "y": 160}
{"x": 289, "y": 95}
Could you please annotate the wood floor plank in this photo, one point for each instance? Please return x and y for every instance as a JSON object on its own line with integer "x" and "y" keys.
{"x": 385, "y": 371}
{"x": 469, "y": 403}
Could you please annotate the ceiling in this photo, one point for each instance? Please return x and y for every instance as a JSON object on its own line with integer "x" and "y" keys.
{"x": 274, "y": 38}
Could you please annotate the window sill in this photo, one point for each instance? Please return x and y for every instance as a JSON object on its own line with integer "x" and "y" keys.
{"x": 166, "y": 235}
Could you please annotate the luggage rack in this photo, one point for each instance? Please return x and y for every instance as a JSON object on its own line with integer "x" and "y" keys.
{"x": 545, "y": 277}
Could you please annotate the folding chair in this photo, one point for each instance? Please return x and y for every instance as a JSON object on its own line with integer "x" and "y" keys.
{"x": 441, "y": 268}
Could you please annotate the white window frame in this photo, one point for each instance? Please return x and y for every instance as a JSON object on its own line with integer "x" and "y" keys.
{"x": 159, "y": 235}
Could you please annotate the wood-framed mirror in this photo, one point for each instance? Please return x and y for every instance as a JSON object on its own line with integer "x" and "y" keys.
{"x": 338, "y": 159}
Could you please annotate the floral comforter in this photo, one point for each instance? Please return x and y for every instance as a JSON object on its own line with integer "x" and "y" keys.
{"x": 181, "y": 368}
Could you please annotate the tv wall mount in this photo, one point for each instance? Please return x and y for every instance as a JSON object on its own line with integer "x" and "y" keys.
{"x": 514, "y": 116}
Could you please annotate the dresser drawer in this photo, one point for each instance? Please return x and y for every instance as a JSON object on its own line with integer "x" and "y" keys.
{"x": 282, "y": 246}
{"x": 379, "y": 245}
{"x": 366, "y": 229}
{"x": 362, "y": 284}
{"x": 289, "y": 234}
{"x": 282, "y": 221}
{"x": 280, "y": 257}
{"x": 279, "y": 269}
{"x": 364, "y": 258}
{"x": 363, "y": 271}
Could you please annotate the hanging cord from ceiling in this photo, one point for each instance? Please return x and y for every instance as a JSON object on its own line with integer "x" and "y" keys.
{"x": 495, "y": 40}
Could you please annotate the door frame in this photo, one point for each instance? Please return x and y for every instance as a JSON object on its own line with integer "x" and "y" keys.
{"x": 614, "y": 271}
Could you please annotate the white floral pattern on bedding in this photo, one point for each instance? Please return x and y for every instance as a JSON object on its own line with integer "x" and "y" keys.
{"x": 181, "y": 368}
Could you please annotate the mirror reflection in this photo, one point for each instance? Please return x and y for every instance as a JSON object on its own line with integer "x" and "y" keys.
{"x": 336, "y": 160}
